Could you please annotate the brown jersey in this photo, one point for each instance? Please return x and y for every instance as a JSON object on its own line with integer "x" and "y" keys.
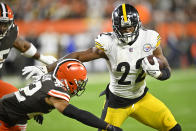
{"x": 30, "y": 100}
{"x": 7, "y": 43}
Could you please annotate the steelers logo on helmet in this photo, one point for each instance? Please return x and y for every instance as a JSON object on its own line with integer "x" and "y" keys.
{"x": 6, "y": 19}
{"x": 126, "y": 23}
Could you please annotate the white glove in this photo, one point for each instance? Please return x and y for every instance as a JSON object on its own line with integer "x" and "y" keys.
{"x": 152, "y": 70}
{"x": 34, "y": 72}
{"x": 47, "y": 59}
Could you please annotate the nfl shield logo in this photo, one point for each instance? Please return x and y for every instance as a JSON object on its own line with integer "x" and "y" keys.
{"x": 130, "y": 49}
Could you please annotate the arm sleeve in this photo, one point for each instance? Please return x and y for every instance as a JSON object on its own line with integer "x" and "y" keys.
{"x": 84, "y": 116}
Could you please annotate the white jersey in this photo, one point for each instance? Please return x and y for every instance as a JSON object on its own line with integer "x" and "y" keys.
{"x": 124, "y": 76}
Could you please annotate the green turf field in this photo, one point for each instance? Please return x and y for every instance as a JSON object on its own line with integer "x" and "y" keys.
{"x": 178, "y": 93}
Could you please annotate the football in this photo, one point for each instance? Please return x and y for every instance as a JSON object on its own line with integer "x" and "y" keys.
{"x": 151, "y": 61}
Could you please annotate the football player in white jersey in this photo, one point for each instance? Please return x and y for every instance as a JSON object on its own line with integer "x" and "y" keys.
{"x": 125, "y": 51}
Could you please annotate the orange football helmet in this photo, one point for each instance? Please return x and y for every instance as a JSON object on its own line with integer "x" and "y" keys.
{"x": 6, "y": 19}
{"x": 72, "y": 74}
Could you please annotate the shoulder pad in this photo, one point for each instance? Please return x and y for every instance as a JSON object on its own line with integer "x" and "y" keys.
{"x": 156, "y": 38}
{"x": 102, "y": 41}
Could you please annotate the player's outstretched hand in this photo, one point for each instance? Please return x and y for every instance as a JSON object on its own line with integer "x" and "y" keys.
{"x": 113, "y": 128}
{"x": 34, "y": 72}
{"x": 39, "y": 119}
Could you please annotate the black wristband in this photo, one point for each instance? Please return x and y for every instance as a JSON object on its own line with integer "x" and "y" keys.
{"x": 165, "y": 74}
{"x": 84, "y": 117}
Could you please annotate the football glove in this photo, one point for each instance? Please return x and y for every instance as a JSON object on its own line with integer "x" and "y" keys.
{"x": 113, "y": 128}
{"x": 152, "y": 70}
{"x": 39, "y": 119}
{"x": 34, "y": 72}
{"x": 47, "y": 59}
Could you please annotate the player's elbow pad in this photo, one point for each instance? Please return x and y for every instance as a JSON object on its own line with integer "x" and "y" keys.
{"x": 84, "y": 117}
{"x": 165, "y": 74}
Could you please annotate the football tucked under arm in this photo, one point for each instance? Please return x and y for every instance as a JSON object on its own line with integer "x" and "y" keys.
{"x": 152, "y": 62}
{"x": 154, "y": 67}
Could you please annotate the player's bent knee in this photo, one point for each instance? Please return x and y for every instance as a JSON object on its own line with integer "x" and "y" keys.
{"x": 177, "y": 127}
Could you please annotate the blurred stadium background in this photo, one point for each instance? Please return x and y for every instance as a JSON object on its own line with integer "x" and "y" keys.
{"x": 59, "y": 27}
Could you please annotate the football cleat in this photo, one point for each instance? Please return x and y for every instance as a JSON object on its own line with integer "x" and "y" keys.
{"x": 6, "y": 19}
{"x": 72, "y": 74}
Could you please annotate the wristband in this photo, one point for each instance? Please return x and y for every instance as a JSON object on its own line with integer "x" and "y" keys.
{"x": 30, "y": 52}
{"x": 165, "y": 74}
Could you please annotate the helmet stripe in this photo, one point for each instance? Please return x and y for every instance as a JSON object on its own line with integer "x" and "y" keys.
{"x": 1, "y": 10}
{"x": 124, "y": 12}
{"x": 6, "y": 10}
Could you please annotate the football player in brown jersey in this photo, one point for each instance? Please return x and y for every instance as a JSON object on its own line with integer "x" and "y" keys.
{"x": 52, "y": 90}
{"x": 9, "y": 38}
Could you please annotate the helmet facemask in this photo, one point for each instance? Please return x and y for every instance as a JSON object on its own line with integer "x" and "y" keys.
{"x": 81, "y": 84}
{"x": 131, "y": 21}
{"x": 6, "y": 19}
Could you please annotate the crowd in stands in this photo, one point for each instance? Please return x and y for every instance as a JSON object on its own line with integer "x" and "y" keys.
{"x": 175, "y": 20}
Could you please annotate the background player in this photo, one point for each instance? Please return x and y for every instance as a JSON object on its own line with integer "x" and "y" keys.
{"x": 53, "y": 90}
{"x": 9, "y": 38}
{"x": 125, "y": 51}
